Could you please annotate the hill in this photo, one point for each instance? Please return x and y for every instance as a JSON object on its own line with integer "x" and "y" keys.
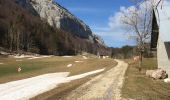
{"x": 23, "y": 28}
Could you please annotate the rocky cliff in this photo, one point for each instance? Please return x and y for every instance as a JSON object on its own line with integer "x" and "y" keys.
{"x": 42, "y": 26}
{"x": 61, "y": 18}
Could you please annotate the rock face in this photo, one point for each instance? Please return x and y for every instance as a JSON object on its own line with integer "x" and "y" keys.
{"x": 157, "y": 74}
{"x": 61, "y": 18}
{"x": 43, "y": 27}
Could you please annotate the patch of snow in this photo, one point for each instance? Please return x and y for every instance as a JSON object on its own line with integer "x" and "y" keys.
{"x": 39, "y": 57}
{"x": 21, "y": 56}
{"x": 4, "y": 53}
{"x": 167, "y": 80}
{"x": 1, "y": 63}
{"x": 28, "y": 88}
{"x": 78, "y": 61}
{"x": 17, "y": 56}
{"x": 67, "y": 56}
{"x": 18, "y": 60}
{"x": 31, "y": 87}
{"x": 69, "y": 65}
{"x": 84, "y": 57}
{"x": 84, "y": 75}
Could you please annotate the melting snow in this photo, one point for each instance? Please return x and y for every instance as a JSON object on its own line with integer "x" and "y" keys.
{"x": 78, "y": 61}
{"x": 167, "y": 80}
{"x": 69, "y": 65}
{"x": 18, "y": 60}
{"x": 39, "y": 57}
{"x": 28, "y": 88}
{"x": 67, "y": 56}
{"x": 1, "y": 63}
{"x": 29, "y": 56}
{"x": 84, "y": 57}
{"x": 22, "y": 56}
{"x": 4, "y": 53}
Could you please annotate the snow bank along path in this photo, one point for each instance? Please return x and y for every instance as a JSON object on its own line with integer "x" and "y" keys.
{"x": 28, "y": 88}
{"x": 106, "y": 86}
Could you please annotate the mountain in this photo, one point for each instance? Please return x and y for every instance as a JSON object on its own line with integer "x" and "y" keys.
{"x": 59, "y": 17}
{"x": 45, "y": 27}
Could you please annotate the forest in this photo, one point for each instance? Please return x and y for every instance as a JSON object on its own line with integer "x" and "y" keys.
{"x": 21, "y": 30}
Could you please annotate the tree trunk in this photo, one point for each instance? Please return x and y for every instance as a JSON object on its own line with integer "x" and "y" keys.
{"x": 140, "y": 61}
{"x": 18, "y": 42}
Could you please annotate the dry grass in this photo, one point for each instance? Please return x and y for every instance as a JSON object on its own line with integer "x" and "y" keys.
{"x": 54, "y": 64}
{"x": 50, "y": 65}
{"x": 65, "y": 89}
{"x": 139, "y": 87}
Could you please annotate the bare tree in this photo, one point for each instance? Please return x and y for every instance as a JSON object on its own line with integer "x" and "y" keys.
{"x": 138, "y": 19}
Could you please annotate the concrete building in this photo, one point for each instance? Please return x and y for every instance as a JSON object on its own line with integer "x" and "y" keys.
{"x": 160, "y": 37}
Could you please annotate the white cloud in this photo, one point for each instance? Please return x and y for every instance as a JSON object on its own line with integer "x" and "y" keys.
{"x": 115, "y": 22}
{"x": 116, "y": 29}
{"x": 114, "y": 33}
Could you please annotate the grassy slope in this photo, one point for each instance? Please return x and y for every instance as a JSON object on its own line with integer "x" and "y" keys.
{"x": 139, "y": 87}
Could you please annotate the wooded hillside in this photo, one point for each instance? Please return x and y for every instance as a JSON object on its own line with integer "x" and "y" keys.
{"x": 21, "y": 30}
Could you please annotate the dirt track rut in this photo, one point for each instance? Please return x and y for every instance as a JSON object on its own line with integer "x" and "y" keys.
{"x": 106, "y": 86}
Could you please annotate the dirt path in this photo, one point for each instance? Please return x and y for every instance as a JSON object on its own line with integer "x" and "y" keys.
{"x": 106, "y": 86}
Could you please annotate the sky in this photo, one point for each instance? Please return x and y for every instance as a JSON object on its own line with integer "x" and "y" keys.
{"x": 103, "y": 18}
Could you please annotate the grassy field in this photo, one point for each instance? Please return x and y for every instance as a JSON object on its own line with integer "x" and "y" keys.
{"x": 34, "y": 67}
{"x": 53, "y": 64}
{"x": 139, "y": 87}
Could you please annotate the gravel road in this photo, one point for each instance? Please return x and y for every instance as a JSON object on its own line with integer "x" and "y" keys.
{"x": 106, "y": 86}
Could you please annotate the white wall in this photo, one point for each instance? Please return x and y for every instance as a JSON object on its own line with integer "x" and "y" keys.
{"x": 163, "y": 61}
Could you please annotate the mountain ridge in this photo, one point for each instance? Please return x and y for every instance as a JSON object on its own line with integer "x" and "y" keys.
{"x": 23, "y": 29}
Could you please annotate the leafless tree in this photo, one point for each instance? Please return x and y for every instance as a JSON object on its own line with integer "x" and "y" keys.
{"x": 138, "y": 19}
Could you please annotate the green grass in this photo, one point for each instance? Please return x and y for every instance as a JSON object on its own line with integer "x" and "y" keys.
{"x": 139, "y": 87}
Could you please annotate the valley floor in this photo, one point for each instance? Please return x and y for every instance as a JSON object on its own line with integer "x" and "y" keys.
{"x": 106, "y": 86}
{"x": 71, "y": 71}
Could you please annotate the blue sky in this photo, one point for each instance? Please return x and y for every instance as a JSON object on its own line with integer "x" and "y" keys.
{"x": 101, "y": 16}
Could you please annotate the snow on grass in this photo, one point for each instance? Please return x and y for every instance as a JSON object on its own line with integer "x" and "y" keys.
{"x": 19, "y": 60}
{"x": 67, "y": 56}
{"x": 28, "y": 88}
{"x": 78, "y": 61}
{"x": 38, "y": 57}
{"x": 84, "y": 57}
{"x": 69, "y": 65}
{"x": 29, "y": 56}
{"x": 84, "y": 75}
{"x": 4, "y": 53}
{"x": 31, "y": 87}
{"x": 21, "y": 56}
{"x": 1, "y": 63}
{"x": 167, "y": 80}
